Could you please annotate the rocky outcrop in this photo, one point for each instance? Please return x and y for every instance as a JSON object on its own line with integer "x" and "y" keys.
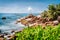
{"x": 34, "y": 20}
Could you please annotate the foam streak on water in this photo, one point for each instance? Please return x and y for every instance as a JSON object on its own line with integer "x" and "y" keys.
{"x": 11, "y": 26}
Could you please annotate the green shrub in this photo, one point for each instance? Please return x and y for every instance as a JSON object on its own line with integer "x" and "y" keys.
{"x": 38, "y": 33}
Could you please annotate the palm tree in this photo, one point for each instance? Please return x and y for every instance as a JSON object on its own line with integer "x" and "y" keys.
{"x": 53, "y": 11}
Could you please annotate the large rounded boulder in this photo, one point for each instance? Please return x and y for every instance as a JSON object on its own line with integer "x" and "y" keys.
{"x": 58, "y": 18}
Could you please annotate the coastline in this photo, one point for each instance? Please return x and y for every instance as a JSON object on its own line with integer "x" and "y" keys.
{"x": 31, "y": 21}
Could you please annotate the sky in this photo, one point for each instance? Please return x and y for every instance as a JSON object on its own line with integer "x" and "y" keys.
{"x": 25, "y": 6}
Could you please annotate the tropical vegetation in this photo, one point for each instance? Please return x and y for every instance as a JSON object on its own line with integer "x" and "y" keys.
{"x": 52, "y": 12}
{"x": 38, "y": 33}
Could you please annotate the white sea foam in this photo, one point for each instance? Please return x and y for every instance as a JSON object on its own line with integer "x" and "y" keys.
{"x": 12, "y": 26}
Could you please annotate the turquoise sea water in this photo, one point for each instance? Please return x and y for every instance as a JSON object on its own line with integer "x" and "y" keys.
{"x": 9, "y": 24}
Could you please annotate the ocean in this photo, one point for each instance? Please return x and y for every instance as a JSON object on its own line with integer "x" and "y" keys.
{"x": 9, "y": 23}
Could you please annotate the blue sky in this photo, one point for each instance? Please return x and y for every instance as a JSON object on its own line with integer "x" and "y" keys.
{"x": 25, "y": 6}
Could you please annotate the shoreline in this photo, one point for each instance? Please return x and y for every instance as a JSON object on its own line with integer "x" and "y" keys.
{"x": 30, "y": 20}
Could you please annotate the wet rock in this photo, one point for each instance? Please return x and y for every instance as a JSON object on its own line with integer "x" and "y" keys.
{"x": 12, "y": 31}
{"x": 5, "y": 33}
{"x": 0, "y": 31}
{"x": 3, "y": 18}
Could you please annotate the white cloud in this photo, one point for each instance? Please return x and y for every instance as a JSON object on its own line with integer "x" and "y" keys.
{"x": 30, "y": 9}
